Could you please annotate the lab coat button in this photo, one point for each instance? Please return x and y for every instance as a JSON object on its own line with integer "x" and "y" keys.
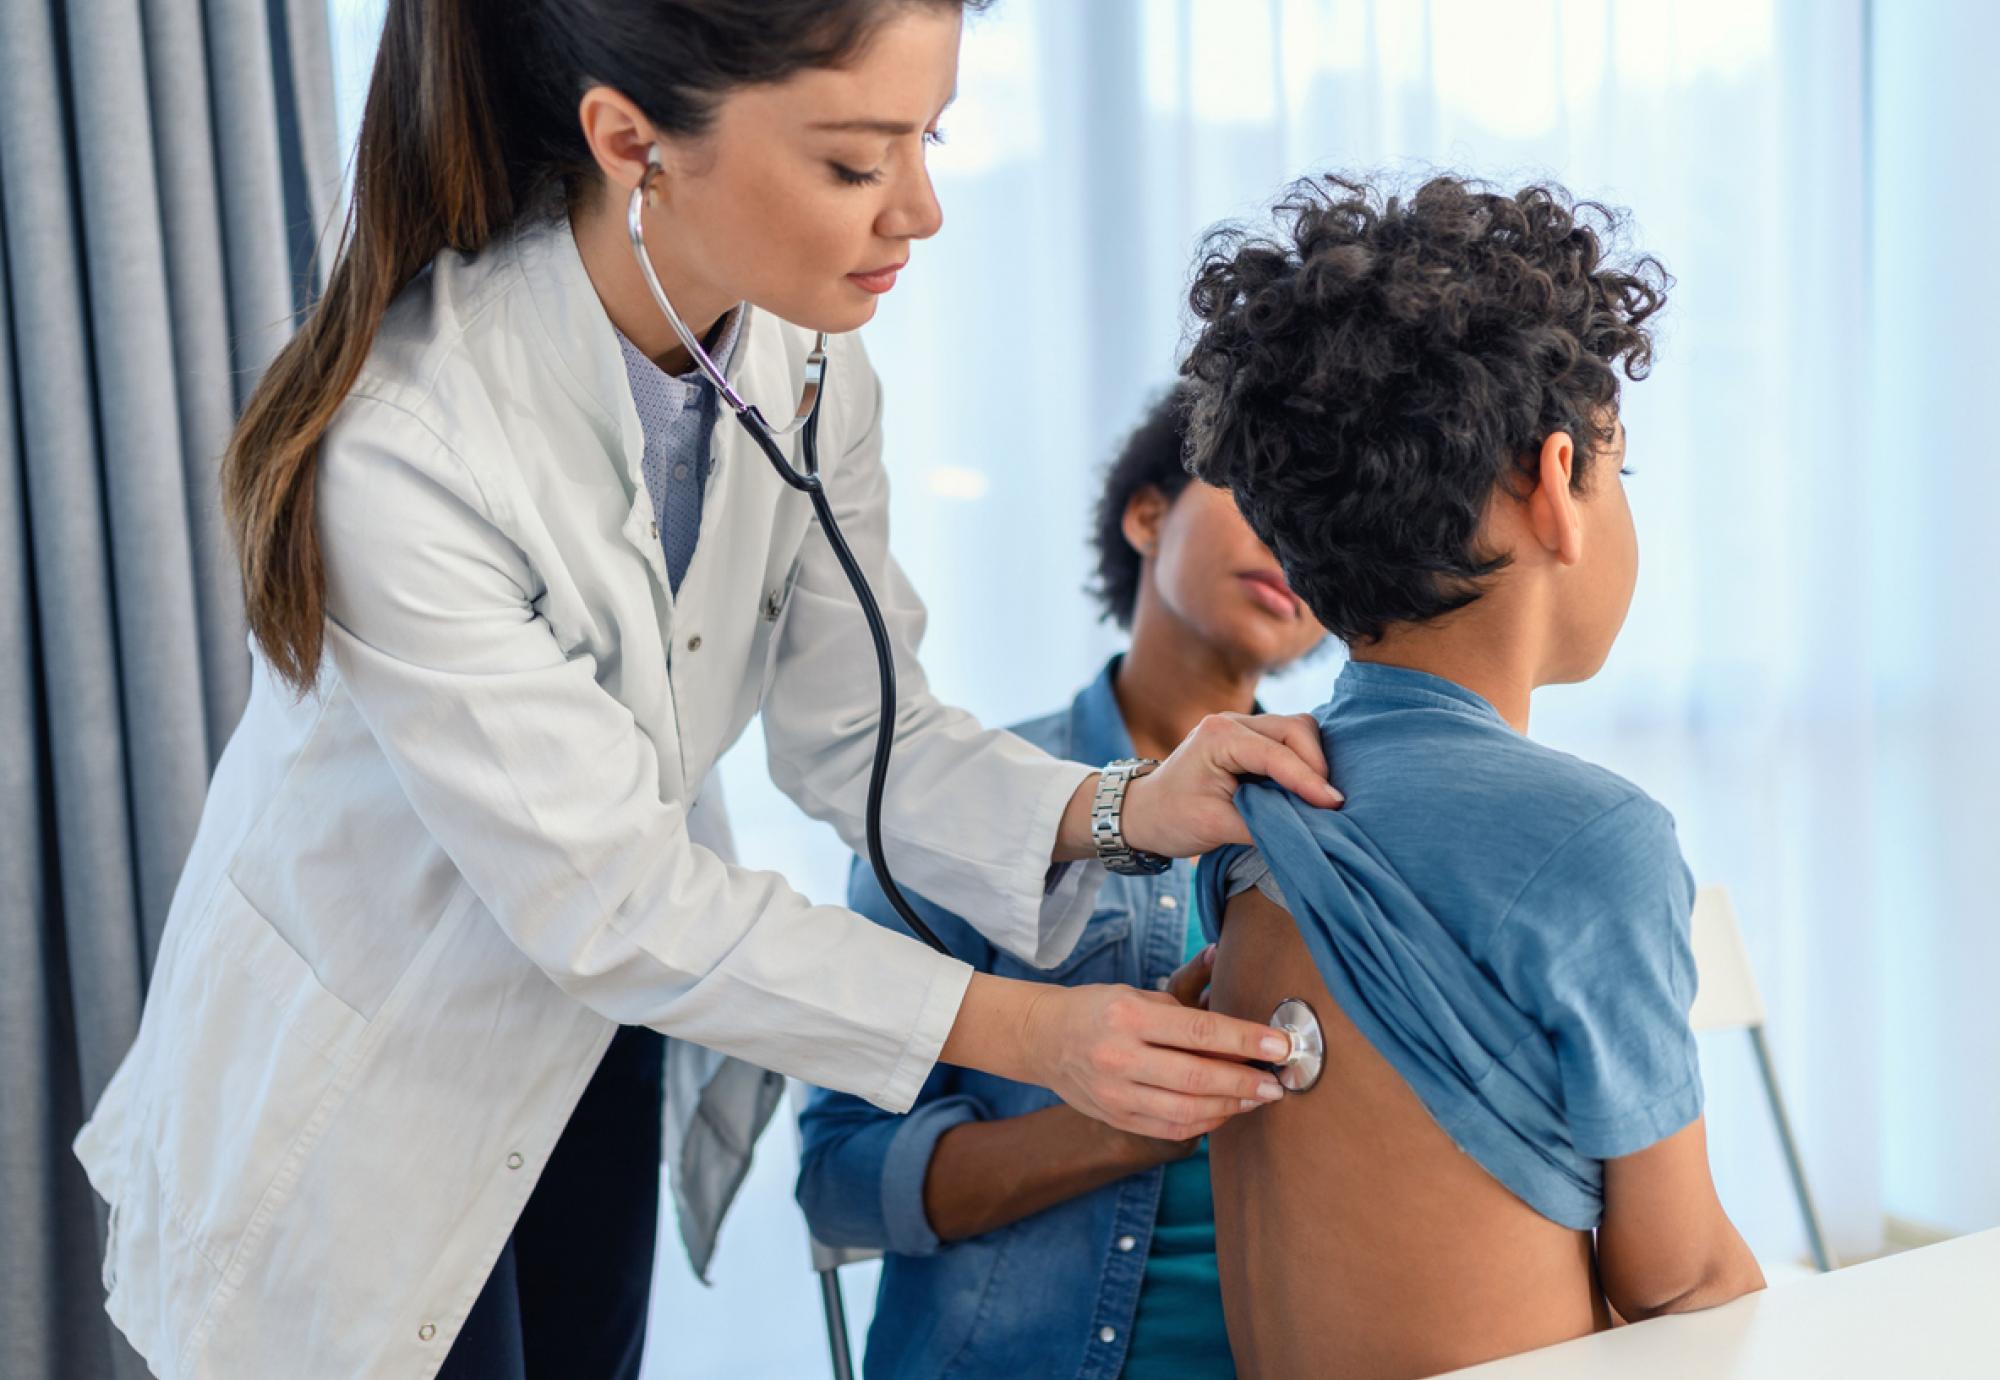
{"x": 1126, "y": 1243}
{"x": 1169, "y": 903}
{"x": 656, "y": 531}
{"x": 514, "y": 1160}
{"x": 1107, "y": 1334}
{"x": 426, "y": 1332}
{"x": 694, "y": 643}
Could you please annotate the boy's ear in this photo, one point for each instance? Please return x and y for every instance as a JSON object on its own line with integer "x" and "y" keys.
{"x": 1144, "y": 512}
{"x": 1552, "y": 507}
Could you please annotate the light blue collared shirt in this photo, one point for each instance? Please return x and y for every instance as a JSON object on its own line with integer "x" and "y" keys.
{"x": 1507, "y": 925}
{"x": 677, "y": 416}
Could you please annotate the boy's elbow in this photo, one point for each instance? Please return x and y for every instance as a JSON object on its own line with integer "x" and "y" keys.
{"x": 1727, "y": 1274}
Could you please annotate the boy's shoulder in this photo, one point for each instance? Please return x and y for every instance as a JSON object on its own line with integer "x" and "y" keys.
{"x": 1429, "y": 736}
{"x": 1426, "y": 764}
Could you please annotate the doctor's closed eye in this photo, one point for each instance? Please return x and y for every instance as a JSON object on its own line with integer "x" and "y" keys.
{"x": 856, "y": 177}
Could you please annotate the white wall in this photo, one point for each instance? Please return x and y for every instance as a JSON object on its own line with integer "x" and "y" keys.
{"x": 1934, "y": 297}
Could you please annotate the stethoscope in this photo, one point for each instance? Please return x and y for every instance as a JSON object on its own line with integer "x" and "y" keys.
{"x": 1302, "y": 1068}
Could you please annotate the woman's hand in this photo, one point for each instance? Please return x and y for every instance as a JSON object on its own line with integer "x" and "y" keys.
{"x": 1189, "y": 987}
{"x": 1144, "y": 1063}
{"x": 1187, "y": 805}
{"x": 1140, "y": 1061}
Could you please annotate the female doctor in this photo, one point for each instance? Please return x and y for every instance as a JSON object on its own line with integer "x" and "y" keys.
{"x": 514, "y": 589}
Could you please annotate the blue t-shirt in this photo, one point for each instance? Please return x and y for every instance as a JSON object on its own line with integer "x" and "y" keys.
{"x": 1505, "y": 924}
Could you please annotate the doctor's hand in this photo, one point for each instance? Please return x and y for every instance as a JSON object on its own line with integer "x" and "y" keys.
{"x": 1139, "y": 1061}
{"x": 1187, "y": 805}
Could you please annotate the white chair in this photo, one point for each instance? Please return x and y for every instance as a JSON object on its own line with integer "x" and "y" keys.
{"x": 826, "y": 1263}
{"x": 1728, "y": 999}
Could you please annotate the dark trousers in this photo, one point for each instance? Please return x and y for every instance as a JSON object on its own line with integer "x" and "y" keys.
{"x": 567, "y": 1297}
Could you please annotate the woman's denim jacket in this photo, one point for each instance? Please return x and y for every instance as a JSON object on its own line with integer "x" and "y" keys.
{"x": 1052, "y": 1295}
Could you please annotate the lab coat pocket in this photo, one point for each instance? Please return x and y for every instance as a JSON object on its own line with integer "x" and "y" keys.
{"x": 253, "y": 1052}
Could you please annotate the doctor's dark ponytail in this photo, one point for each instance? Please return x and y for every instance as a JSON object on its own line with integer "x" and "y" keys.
{"x": 471, "y": 123}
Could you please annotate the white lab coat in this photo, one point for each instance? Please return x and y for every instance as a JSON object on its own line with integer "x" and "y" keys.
{"x": 422, "y": 896}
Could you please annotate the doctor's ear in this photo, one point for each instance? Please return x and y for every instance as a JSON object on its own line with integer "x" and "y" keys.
{"x": 1144, "y": 513}
{"x": 622, "y": 140}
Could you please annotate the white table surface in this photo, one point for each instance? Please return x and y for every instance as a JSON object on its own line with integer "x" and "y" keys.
{"x": 1928, "y": 1313}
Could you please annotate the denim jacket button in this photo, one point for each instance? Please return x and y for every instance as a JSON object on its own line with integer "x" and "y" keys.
{"x": 1107, "y": 1334}
{"x": 1126, "y": 1243}
{"x": 1169, "y": 903}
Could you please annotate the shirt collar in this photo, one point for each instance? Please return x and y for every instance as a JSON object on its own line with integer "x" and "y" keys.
{"x": 682, "y": 389}
{"x": 1379, "y": 680}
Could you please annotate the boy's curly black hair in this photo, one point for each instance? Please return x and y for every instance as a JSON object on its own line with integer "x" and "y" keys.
{"x": 1151, "y": 458}
{"x": 1362, "y": 380}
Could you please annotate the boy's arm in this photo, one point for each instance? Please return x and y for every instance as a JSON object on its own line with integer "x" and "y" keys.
{"x": 1665, "y": 1245}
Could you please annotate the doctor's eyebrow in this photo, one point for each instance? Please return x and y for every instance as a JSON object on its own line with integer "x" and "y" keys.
{"x": 865, "y": 126}
{"x": 889, "y": 127}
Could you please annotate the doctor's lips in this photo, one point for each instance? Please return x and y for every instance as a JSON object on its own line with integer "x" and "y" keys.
{"x": 877, "y": 280}
{"x": 1268, "y": 588}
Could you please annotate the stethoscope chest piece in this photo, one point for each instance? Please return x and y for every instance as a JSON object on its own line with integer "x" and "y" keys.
{"x": 1299, "y": 1070}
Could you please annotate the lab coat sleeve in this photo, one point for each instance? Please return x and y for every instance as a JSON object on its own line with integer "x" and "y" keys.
{"x": 543, "y": 790}
{"x": 970, "y": 814}
{"x": 861, "y": 1170}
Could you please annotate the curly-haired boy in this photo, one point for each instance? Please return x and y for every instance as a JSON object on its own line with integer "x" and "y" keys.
{"x": 1416, "y": 405}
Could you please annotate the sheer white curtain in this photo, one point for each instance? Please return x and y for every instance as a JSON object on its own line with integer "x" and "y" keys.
{"x": 1794, "y": 681}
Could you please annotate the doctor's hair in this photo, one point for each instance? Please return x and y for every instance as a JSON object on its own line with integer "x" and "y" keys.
{"x": 1364, "y": 378}
{"x": 470, "y": 125}
{"x": 1151, "y": 458}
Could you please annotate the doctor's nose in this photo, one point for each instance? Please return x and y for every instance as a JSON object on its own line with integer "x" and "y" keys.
{"x": 915, "y": 215}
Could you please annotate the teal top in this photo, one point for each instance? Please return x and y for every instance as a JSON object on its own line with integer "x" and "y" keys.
{"x": 1178, "y": 1329}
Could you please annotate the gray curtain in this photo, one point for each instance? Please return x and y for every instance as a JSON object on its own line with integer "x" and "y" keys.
{"x": 167, "y": 169}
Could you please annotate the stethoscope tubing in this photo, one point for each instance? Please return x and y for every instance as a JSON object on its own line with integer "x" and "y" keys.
{"x": 806, "y": 422}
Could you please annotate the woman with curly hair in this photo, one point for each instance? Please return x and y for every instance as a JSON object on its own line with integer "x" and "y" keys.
{"x": 1415, "y": 404}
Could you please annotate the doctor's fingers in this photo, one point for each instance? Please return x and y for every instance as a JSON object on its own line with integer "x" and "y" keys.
{"x": 1299, "y": 732}
{"x": 1157, "y": 1019}
{"x": 1286, "y": 748}
{"x": 1164, "y": 1115}
{"x": 1200, "y": 1087}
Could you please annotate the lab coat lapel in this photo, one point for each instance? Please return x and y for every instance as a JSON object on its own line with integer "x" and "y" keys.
{"x": 583, "y": 358}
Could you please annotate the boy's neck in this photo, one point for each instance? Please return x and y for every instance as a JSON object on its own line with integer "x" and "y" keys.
{"x": 1166, "y": 684}
{"x": 1495, "y": 663}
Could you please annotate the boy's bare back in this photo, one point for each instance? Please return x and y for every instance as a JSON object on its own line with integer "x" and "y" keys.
{"x": 1354, "y": 1237}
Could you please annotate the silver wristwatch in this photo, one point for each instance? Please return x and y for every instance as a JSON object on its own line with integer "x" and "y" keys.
{"x": 1107, "y": 821}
